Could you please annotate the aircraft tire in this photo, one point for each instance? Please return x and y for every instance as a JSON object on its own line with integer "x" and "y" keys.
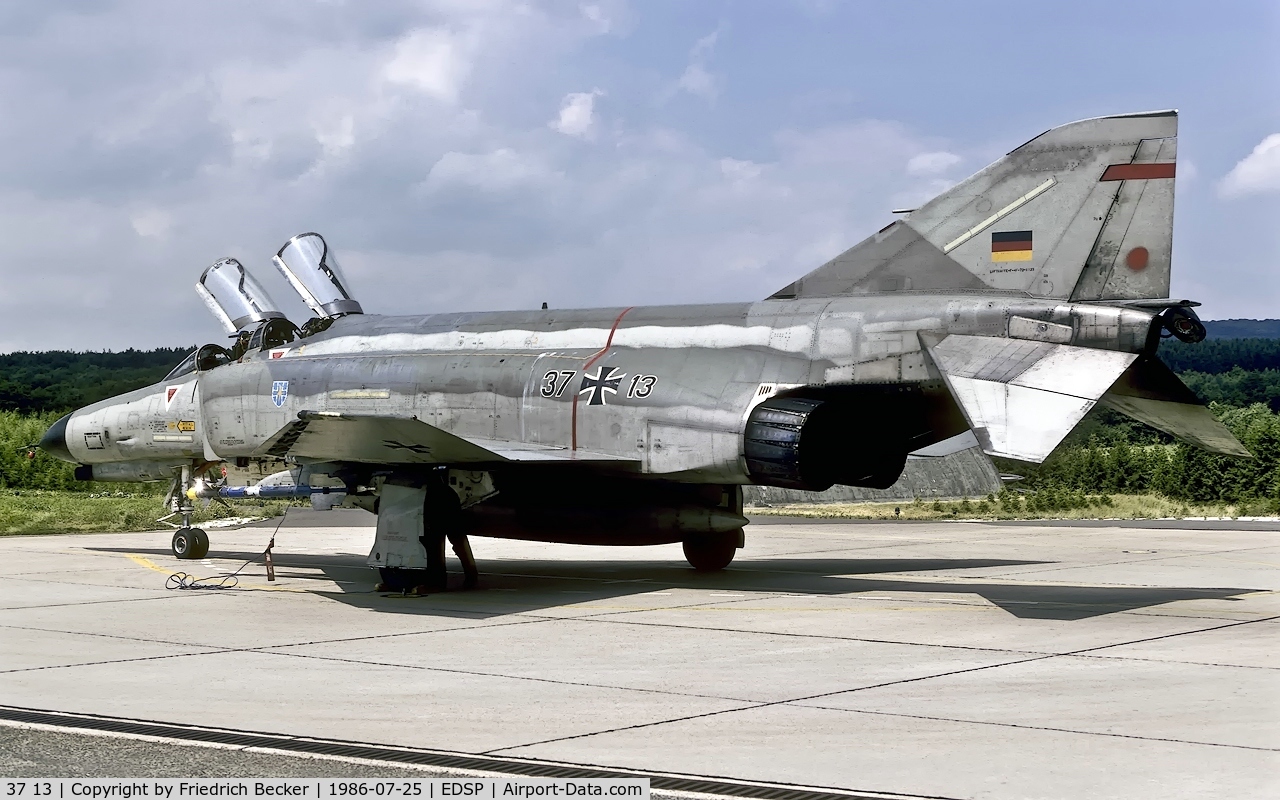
{"x": 184, "y": 543}
{"x": 711, "y": 553}
{"x": 201, "y": 543}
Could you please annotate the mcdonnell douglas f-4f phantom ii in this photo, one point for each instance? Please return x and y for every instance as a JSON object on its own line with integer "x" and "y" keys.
{"x": 996, "y": 314}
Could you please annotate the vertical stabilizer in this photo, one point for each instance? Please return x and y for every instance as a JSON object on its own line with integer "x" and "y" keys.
{"x": 1083, "y": 211}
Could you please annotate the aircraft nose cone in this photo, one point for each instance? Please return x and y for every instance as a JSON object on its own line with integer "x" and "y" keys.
{"x": 54, "y": 441}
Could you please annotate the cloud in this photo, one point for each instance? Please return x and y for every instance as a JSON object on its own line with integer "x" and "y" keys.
{"x": 498, "y": 171}
{"x": 415, "y": 137}
{"x": 736, "y": 170}
{"x": 577, "y": 114}
{"x": 1257, "y": 173}
{"x": 152, "y": 222}
{"x": 932, "y": 163}
{"x": 432, "y": 61}
{"x": 696, "y": 79}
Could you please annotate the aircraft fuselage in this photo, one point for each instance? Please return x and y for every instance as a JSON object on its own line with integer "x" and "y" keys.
{"x": 668, "y": 388}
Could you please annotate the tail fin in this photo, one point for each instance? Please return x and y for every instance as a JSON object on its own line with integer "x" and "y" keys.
{"x": 1082, "y": 212}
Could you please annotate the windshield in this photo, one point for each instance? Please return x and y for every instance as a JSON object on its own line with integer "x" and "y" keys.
{"x": 188, "y": 365}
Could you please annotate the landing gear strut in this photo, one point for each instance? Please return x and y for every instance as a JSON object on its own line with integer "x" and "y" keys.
{"x": 441, "y": 519}
{"x": 187, "y": 542}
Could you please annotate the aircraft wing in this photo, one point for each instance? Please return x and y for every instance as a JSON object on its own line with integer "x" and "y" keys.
{"x": 369, "y": 439}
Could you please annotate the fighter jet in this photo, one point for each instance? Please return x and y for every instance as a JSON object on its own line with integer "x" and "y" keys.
{"x": 997, "y": 313}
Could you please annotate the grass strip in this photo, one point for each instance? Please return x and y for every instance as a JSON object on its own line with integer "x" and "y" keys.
{"x": 1010, "y": 505}
{"x": 45, "y": 511}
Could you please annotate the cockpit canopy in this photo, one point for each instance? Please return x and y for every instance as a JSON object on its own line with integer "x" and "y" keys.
{"x": 313, "y": 271}
{"x": 235, "y": 297}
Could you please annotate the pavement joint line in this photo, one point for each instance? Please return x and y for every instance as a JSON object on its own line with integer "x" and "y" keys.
{"x": 1011, "y": 651}
{"x": 820, "y": 636}
{"x": 1232, "y": 624}
{"x": 1121, "y": 562}
{"x": 165, "y": 596}
{"x": 1042, "y": 728}
{"x": 763, "y": 594}
{"x": 1179, "y": 661}
{"x": 264, "y": 647}
{"x": 1137, "y": 613}
{"x": 531, "y": 678}
{"x": 885, "y": 684}
{"x": 760, "y": 705}
{"x": 101, "y": 635}
{"x": 210, "y": 651}
{"x": 663, "y": 783}
{"x": 206, "y": 650}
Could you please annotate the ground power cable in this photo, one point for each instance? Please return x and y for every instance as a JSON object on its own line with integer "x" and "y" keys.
{"x": 185, "y": 580}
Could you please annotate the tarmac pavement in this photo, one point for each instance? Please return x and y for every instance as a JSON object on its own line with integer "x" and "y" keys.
{"x": 951, "y": 659}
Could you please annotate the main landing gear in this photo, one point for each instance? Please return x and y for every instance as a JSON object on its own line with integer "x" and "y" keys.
{"x": 413, "y": 525}
{"x": 713, "y": 551}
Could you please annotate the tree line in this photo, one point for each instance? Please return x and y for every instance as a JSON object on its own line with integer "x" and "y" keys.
{"x": 60, "y": 380}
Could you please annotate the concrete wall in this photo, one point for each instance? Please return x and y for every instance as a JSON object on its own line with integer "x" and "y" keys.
{"x": 968, "y": 473}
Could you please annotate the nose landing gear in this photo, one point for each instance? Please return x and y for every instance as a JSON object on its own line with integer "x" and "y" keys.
{"x": 189, "y": 543}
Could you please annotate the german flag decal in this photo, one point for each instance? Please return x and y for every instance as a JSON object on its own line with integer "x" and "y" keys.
{"x": 1011, "y": 246}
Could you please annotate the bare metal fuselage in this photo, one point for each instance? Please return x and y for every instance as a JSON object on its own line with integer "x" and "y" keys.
{"x": 663, "y": 390}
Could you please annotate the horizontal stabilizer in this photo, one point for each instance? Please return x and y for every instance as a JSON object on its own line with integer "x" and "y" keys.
{"x": 1022, "y": 398}
{"x": 1149, "y": 392}
{"x": 368, "y": 439}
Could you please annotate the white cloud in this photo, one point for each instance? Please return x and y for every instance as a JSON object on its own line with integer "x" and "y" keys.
{"x": 431, "y": 60}
{"x": 577, "y": 114}
{"x": 736, "y": 170}
{"x": 498, "y": 171}
{"x": 152, "y": 223}
{"x": 932, "y": 163}
{"x": 338, "y": 138}
{"x": 696, "y": 79}
{"x": 1257, "y": 172}
{"x": 595, "y": 14}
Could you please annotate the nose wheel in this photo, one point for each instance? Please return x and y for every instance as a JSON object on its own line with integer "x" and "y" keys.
{"x": 189, "y": 543}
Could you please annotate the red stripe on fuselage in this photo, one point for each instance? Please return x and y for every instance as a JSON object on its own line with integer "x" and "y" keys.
{"x": 607, "y": 344}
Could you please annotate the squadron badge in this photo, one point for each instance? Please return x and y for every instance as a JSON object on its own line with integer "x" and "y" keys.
{"x": 279, "y": 392}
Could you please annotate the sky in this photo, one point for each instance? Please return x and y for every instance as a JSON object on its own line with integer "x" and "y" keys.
{"x": 491, "y": 154}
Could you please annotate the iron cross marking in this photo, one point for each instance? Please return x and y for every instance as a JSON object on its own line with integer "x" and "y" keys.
{"x": 417, "y": 449}
{"x": 600, "y": 383}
